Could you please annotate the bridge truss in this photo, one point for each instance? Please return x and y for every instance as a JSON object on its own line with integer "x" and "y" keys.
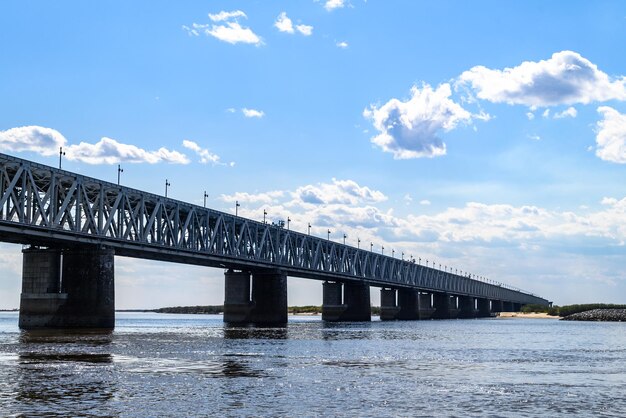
{"x": 46, "y": 206}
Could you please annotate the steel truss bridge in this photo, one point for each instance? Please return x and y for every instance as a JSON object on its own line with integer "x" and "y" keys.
{"x": 46, "y": 206}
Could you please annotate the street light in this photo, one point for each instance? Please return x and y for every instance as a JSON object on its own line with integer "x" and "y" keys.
{"x": 344, "y": 238}
{"x": 419, "y": 260}
{"x": 288, "y": 220}
{"x": 393, "y": 253}
{"x": 167, "y": 184}
{"x": 382, "y": 249}
{"x": 61, "y": 154}
{"x": 358, "y": 243}
{"x": 205, "y": 196}
{"x": 119, "y": 171}
{"x": 309, "y": 228}
{"x": 264, "y": 215}
{"x": 237, "y": 207}
{"x": 371, "y": 246}
{"x": 328, "y": 236}
{"x": 402, "y": 255}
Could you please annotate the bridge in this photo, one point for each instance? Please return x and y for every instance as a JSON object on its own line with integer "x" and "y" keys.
{"x": 74, "y": 225}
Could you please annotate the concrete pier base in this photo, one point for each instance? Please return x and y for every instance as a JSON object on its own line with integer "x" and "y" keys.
{"x": 354, "y": 306}
{"x": 237, "y": 303}
{"x": 445, "y": 306}
{"x": 497, "y": 306}
{"x": 269, "y": 298}
{"x": 484, "y": 311}
{"x": 467, "y": 307}
{"x": 507, "y": 307}
{"x": 409, "y": 304}
{"x": 332, "y": 305}
{"x": 78, "y": 292}
{"x": 388, "y": 306}
{"x": 426, "y": 308}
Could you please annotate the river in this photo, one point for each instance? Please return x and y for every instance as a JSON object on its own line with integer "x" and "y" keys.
{"x": 193, "y": 365}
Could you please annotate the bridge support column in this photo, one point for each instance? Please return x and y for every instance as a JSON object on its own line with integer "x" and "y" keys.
{"x": 445, "y": 306}
{"x": 388, "y": 307}
{"x": 517, "y": 307}
{"x": 426, "y": 308}
{"x": 507, "y": 307}
{"x": 409, "y": 304}
{"x": 356, "y": 296}
{"x": 483, "y": 308}
{"x": 237, "y": 304}
{"x": 269, "y": 298}
{"x": 82, "y": 296}
{"x": 497, "y": 306}
{"x": 467, "y": 307}
{"x": 332, "y": 306}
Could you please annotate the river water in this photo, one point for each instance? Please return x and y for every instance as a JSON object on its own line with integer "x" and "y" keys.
{"x": 192, "y": 365}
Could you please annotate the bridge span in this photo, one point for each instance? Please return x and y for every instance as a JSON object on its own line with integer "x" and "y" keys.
{"x": 74, "y": 225}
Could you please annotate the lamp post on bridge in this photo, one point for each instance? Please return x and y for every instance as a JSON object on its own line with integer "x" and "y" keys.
{"x": 358, "y": 243}
{"x": 371, "y": 246}
{"x": 309, "y": 230}
{"x": 288, "y": 220}
{"x": 237, "y": 207}
{"x": 344, "y": 238}
{"x": 328, "y": 235}
{"x": 205, "y": 196}
{"x": 264, "y": 215}
{"x": 61, "y": 154}
{"x": 382, "y": 250}
{"x": 167, "y": 184}
{"x": 120, "y": 170}
{"x": 393, "y": 253}
{"x": 402, "y": 255}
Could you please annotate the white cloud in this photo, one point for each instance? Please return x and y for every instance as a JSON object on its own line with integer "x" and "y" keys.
{"x": 570, "y": 112}
{"x": 566, "y": 78}
{"x": 530, "y": 115}
{"x": 334, "y": 4}
{"x": 228, "y": 30}
{"x": 534, "y": 137}
{"x": 46, "y": 142}
{"x": 410, "y": 129}
{"x": 205, "y": 155}
{"x": 38, "y": 139}
{"x": 611, "y": 135}
{"x": 306, "y": 30}
{"x": 109, "y": 151}
{"x": 224, "y": 15}
{"x": 338, "y": 192}
{"x": 425, "y": 202}
{"x": 284, "y": 24}
{"x": 342, "y": 44}
{"x": 546, "y": 114}
{"x": 252, "y": 113}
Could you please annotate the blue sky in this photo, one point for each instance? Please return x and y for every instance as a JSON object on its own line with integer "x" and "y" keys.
{"x": 488, "y": 138}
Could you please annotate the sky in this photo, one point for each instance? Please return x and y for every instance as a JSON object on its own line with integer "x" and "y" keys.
{"x": 484, "y": 136}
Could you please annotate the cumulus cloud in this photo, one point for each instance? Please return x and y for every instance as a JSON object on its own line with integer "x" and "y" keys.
{"x": 205, "y": 155}
{"x": 564, "y": 79}
{"x": 411, "y": 128}
{"x": 611, "y": 135}
{"x": 264, "y": 198}
{"x": 342, "y": 44}
{"x": 284, "y": 24}
{"x": 38, "y": 139}
{"x": 110, "y": 151}
{"x": 252, "y": 113}
{"x": 570, "y": 112}
{"x": 226, "y": 28}
{"x": 334, "y": 4}
{"x": 338, "y": 192}
{"x": 46, "y": 142}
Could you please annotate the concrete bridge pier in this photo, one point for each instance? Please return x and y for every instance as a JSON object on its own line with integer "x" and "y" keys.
{"x": 409, "y": 304}
{"x": 70, "y": 288}
{"x": 356, "y": 304}
{"x": 445, "y": 306}
{"x": 269, "y": 298}
{"x": 388, "y": 306}
{"x": 332, "y": 301}
{"x": 507, "y": 306}
{"x": 484, "y": 311}
{"x": 237, "y": 303}
{"x": 497, "y": 306}
{"x": 426, "y": 308}
{"x": 467, "y": 307}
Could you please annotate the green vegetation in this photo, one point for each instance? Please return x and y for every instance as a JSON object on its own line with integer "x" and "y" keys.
{"x": 569, "y": 309}
{"x": 310, "y": 309}
{"x": 191, "y": 310}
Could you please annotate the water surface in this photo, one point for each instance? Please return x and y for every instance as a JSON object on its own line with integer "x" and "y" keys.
{"x": 193, "y": 365}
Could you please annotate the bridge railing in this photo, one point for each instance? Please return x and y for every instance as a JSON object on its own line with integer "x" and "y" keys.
{"x": 38, "y": 199}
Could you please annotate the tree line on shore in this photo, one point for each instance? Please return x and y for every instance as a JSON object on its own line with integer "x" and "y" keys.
{"x": 567, "y": 310}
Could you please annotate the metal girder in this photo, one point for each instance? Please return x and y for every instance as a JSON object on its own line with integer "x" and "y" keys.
{"x": 38, "y": 202}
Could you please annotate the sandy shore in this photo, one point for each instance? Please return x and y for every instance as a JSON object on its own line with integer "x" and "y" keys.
{"x": 526, "y": 315}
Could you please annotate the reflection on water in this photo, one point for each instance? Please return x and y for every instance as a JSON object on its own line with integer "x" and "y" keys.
{"x": 181, "y": 365}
